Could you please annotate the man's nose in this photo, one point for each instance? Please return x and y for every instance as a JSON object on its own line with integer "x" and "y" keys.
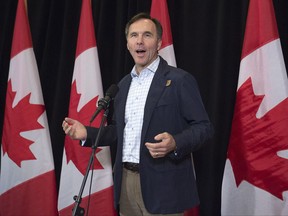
{"x": 140, "y": 39}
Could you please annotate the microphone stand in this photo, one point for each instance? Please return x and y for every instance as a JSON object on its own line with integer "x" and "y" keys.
{"x": 77, "y": 210}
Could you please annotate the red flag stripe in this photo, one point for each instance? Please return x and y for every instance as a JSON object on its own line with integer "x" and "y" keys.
{"x": 33, "y": 197}
{"x": 86, "y": 35}
{"x": 22, "y": 36}
{"x": 261, "y": 29}
{"x": 159, "y": 10}
{"x": 102, "y": 204}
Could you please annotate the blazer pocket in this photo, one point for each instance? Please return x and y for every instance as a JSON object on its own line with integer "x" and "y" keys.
{"x": 165, "y": 102}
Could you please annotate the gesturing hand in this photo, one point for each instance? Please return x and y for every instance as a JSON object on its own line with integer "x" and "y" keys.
{"x": 164, "y": 144}
{"x": 74, "y": 129}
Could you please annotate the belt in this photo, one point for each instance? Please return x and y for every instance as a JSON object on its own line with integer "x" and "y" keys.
{"x": 134, "y": 167}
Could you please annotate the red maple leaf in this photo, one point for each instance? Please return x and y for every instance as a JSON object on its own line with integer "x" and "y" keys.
{"x": 23, "y": 117}
{"x": 254, "y": 143}
{"x": 75, "y": 152}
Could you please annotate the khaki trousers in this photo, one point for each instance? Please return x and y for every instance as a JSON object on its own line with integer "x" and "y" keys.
{"x": 131, "y": 202}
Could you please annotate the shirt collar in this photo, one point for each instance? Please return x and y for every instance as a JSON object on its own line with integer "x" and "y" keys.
{"x": 152, "y": 68}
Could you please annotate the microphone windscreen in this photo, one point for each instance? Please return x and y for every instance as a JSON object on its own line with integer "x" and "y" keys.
{"x": 112, "y": 91}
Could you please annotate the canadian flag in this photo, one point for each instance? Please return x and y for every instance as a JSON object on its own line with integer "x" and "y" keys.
{"x": 86, "y": 89}
{"x": 27, "y": 182}
{"x": 255, "y": 178}
{"x": 159, "y": 10}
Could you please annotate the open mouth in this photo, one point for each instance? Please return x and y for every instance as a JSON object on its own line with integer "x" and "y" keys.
{"x": 140, "y": 51}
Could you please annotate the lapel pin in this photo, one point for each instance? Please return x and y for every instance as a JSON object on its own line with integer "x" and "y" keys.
{"x": 168, "y": 82}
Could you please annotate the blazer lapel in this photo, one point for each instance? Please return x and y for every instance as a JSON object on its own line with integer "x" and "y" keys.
{"x": 157, "y": 86}
{"x": 121, "y": 100}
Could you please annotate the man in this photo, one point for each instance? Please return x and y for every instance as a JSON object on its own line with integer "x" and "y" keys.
{"x": 159, "y": 120}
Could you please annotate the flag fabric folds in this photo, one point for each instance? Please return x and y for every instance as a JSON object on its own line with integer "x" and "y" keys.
{"x": 27, "y": 179}
{"x": 86, "y": 89}
{"x": 159, "y": 10}
{"x": 255, "y": 180}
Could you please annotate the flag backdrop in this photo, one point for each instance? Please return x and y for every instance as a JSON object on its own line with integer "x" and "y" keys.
{"x": 86, "y": 89}
{"x": 256, "y": 173}
{"x": 27, "y": 181}
{"x": 159, "y": 10}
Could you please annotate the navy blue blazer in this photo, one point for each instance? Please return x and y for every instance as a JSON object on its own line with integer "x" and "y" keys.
{"x": 173, "y": 105}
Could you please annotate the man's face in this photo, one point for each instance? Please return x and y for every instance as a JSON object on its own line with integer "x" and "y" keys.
{"x": 143, "y": 44}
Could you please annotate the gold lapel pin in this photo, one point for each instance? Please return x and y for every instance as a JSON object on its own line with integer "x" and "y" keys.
{"x": 168, "y": 82}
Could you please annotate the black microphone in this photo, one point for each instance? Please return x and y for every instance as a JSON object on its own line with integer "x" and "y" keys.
{"x": 103, "y": 103}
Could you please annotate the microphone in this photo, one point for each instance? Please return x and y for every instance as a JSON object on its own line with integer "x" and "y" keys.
{"x": 103, "y": 103}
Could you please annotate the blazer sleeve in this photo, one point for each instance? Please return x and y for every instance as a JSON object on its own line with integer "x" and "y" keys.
{"x": 199, "y": 129}
{"x": 107, "y": 138}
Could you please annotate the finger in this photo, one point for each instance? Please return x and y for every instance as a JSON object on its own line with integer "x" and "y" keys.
{"x": 156, "y": 154}
{"x": 68, "y": 130}
{"x": 153, "y": 148}
{"x": 161, "y": 136}
{"x": 156, "y": 147}
{"x": 69, "y": 121}
{"x": 150, "y": 146}
{"x": 72, "y": 133}
{"x": 64, "y": 123}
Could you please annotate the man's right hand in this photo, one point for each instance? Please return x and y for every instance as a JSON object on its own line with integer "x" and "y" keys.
{"x": 74, "y": 129}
